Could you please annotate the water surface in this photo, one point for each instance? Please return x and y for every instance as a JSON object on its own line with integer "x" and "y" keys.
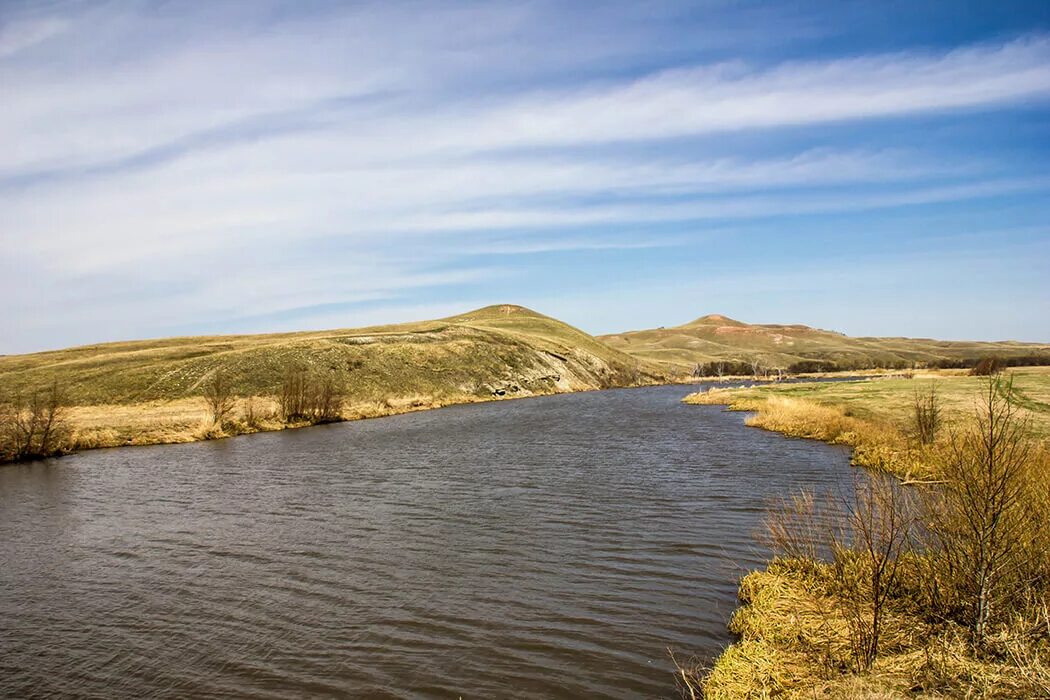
{"x": 550, "y": 547}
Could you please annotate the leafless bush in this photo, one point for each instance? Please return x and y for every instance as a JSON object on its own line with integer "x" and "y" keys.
{"x": 254, "y": 415}
{"x": 307, "y": 397}
{"x": 864, "y": 538}
{"x": 927, "y": 415}
{"x": 35, "y": 425}
{"x": 218, "y": 395}
{"x": 986, "y": 367}
{"x": 879, "y": 517}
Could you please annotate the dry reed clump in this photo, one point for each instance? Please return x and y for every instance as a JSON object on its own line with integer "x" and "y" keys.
{"x": 877, "y": 444}
{"x": 747, "y": 669}
{"x": 95, "y": 438}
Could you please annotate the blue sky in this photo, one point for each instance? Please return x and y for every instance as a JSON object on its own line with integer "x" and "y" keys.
{"x": 179, "y": 168}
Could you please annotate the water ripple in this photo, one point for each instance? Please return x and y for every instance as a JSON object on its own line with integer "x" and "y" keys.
{"x": 535, "y": 548}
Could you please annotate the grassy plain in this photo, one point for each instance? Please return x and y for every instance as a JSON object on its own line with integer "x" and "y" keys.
{"x": 149, "y": 391}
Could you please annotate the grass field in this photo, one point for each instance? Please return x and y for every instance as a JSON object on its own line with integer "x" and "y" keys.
{"x": 149, "y": 391}
{"x": 717, "y": 338}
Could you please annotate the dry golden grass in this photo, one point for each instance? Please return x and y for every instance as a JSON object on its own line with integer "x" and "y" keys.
{"x": 877, "y": 443}
{"x": 791, "y": 646}
{"x": 187, "y": 420}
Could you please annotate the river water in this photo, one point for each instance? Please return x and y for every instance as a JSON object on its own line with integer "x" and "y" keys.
{"x": 550, "y": 547}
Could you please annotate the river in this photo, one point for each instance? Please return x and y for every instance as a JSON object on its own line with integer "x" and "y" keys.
{"x": 549, "y": 548}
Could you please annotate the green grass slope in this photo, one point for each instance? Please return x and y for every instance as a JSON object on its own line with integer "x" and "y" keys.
{"x": 508, "y": 349}
{"x": 718, "y": 338}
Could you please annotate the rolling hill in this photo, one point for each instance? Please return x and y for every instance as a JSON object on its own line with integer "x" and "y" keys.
{"x": 149, "y": 391}
{"x": 719, "y": 339}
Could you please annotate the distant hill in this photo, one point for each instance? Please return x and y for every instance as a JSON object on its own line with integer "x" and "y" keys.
{"x": 798, "y": 348}
{"x": 508, "y": 349}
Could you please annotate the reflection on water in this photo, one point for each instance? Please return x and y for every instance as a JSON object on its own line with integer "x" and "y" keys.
{"x": 547, "y": 547}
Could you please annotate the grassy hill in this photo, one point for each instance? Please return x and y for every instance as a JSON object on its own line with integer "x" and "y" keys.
{"x": 717, "y": 338}
{"x": 149, "y": 391}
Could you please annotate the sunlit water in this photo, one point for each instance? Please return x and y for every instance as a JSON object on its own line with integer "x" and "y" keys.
{"x": 551, "y": 547}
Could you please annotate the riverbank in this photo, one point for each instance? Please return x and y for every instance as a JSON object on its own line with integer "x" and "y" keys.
{"x": 154, "y": 391}
{"x": 188, "y": 420}
{"x": 794, "y": 621}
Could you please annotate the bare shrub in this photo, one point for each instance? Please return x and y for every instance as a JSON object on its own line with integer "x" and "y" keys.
{"x": 986, "y": 367}
{"x": 218, "y": 395}
{"x": 864, "y": 538}
{"x": 983, "y": 522}
{"x": 307, "y": 397}
{"x": 327, "y": 398}
{"x": 879, "y": 518}
{"x": 293, "y": 396}
{"x": 34, "y": 426}
{"x": 253, "y": 415}
{"x": 926, "y": 414}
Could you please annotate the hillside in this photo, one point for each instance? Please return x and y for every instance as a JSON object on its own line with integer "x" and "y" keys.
{"x": 714, "y": 338}
{"x": 149, "y": 391}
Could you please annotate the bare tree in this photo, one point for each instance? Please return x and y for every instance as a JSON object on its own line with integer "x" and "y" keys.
{"x": 328, "y": 399}
{"x": 863, "y": 538}
{"x": 34, "y": 426}
{"x": 756, "y": 367}
{"x": 986, "y": 367}
{"x": 927, "y": 414}
{"x": 879, "y": 517}
{"x": 218, "y": 395}
{"x": 698, "y": 374}
{"x": 981, "y": 520}
{"x": 253, "y": 416}
{"x": 304, "y": 396}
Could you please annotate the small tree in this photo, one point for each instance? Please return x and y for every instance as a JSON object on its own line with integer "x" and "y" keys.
{"x": 879, "y": 518}
{"x": 863, "y": 538}
{"x": 927, "y": 415}
{"x": 327, "y": 399}
{"x": 218, "y": 395}
{"x": 305, "y": 396}
{"x": 34, "y": 426}
{"x": 986, "y": 367}
{"x": 292, "y": 399}
{"x": 252, "y": 415}
{"x": 980, "y": 523}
